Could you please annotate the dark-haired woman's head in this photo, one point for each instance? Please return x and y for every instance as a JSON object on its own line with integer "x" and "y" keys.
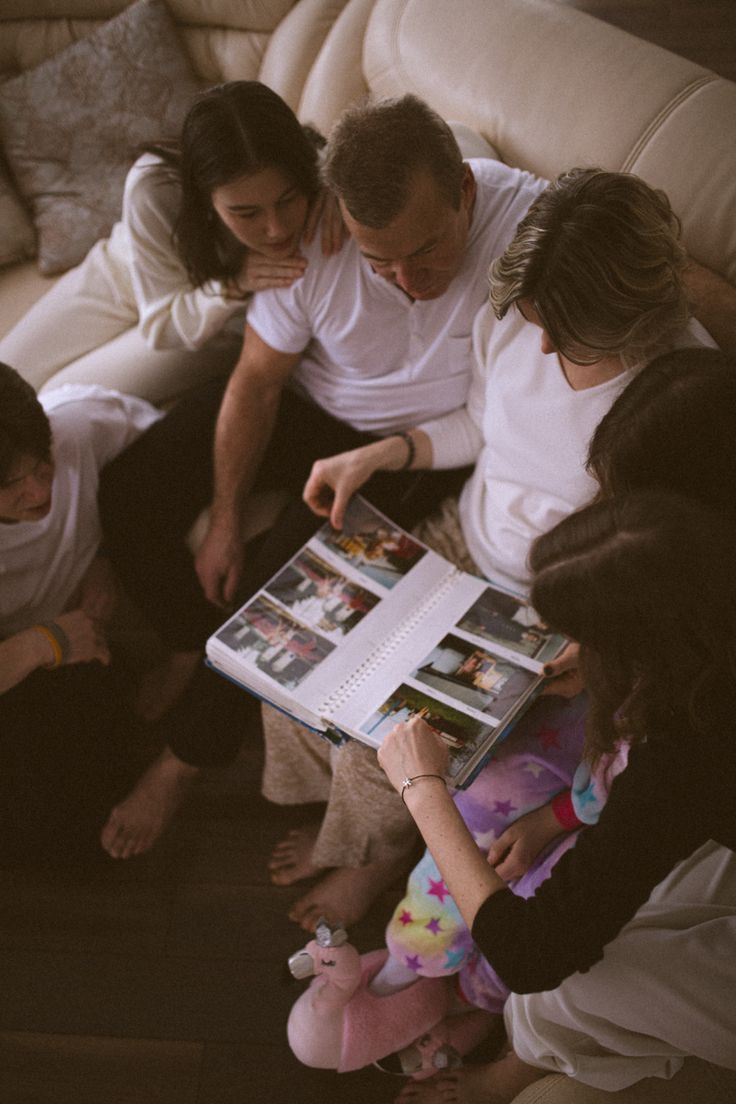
{"x": 248, "y": 171}
{"x": 674, "y": 428}
{"x": 645, "y": 583}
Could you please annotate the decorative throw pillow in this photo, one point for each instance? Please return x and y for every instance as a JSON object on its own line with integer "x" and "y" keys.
{"x": 71, "y": 126}
{"x": 17, "y": 240}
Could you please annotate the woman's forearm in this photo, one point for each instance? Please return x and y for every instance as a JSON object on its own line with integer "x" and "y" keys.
{"x": 464, "y": 868}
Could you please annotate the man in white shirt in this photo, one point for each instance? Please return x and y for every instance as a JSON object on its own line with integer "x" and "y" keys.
{"x": 378, "y": 336}
{"x": 375, "y": 338}
{"x": 366, "y": 346}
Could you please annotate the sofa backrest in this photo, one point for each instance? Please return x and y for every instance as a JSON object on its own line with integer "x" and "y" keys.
{"x": 226, "y": 39}
{"x": 550, "y": 87}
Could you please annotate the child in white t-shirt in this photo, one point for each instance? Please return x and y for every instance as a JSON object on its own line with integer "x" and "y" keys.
{"x": 63, "y": 754}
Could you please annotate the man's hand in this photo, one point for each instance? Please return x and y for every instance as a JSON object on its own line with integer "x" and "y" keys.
{"x": 564, "y": 673}
{"x": 516, "y": 849}
{"x": 98, "y": 590}
{"x": 219, "y": 563}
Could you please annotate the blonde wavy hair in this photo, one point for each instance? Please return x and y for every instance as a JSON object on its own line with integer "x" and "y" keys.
{"x": 598, "y": 257}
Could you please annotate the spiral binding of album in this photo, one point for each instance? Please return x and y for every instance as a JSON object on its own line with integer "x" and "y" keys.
{"x": 383, "y": 652}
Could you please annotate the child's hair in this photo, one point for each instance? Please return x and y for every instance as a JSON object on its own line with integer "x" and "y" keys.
{"x": 645, "y": 583}
{"x": 230, "y": 131}
{"x": 673, "y": 427}
{"x": 597, "y": 256}
{"x": 24, "y": 426}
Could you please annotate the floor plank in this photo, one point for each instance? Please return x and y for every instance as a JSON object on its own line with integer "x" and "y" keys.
{"x": 39, "y": 1069}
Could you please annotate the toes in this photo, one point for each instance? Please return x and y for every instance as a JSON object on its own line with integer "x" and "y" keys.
{"x": 307, "y": 912}
{"x": 123, "y": 840}
{"x": 280, "y": 875}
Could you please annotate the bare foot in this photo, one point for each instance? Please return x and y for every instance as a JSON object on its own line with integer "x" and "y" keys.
{"x": 496, "y": 1083}
{"x": 160, "y": 687}
{"x": 291, "y": 858}
{"x": 137, "y": 822}
{"x": 344, "y": 895}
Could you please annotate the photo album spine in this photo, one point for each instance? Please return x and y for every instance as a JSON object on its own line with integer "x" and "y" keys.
{"x": 389, "y": 648}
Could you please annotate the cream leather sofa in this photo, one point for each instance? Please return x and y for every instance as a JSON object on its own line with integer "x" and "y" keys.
{"x": 549, "y": 86}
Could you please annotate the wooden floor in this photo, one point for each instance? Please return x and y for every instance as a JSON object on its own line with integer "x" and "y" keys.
{"x": 162, "y": 980}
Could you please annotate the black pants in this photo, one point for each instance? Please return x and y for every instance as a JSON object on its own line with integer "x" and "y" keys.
{"x": 153, "y": 492}
{"x": 67, "y": 755}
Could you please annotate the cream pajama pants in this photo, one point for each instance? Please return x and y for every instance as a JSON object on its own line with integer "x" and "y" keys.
{"x": 84, "y": 330}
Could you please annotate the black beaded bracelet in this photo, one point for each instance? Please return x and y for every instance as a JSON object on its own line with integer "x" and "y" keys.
{"x": 407, "y": 437}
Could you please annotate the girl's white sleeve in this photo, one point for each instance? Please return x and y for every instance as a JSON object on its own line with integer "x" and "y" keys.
{"x": 457, "y": 438}
{"x": 171, "y": 312}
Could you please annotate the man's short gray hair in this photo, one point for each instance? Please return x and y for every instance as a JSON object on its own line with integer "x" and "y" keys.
{"x": 376, "y": 150}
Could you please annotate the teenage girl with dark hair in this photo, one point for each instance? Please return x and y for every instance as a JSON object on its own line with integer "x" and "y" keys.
{"x": 206, "y": 220}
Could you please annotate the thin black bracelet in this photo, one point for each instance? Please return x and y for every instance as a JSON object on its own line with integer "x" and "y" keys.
{"x": 407, "y": 437}
{"x": 407, "y": 782}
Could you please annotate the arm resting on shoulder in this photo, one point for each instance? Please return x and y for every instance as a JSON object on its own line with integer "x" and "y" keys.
{"x": 244, "y": 427}
{"x": 713, "y": 302}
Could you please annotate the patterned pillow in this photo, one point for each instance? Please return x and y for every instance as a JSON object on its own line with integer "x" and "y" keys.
{"x": 70, "y": 127}
{"x": 17, "y": 240}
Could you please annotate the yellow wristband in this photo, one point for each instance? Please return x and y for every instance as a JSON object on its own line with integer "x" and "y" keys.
{"x": 55, "y": 644}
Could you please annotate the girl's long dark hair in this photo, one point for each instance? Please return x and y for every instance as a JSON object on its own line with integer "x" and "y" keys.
{"x": 232, "y": 130}
{"x": 645, "y": 583}
{"x": 673, "y": 427}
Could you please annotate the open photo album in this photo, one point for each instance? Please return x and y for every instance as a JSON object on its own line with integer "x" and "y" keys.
{"x": 366, "y": 626}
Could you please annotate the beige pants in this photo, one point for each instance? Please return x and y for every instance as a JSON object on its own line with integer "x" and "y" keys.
{"x": 365, "y": 820}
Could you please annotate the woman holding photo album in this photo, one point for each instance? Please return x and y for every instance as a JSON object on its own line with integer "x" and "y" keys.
{"x": 643, "y": 582}
{"x": 552, "y": 353}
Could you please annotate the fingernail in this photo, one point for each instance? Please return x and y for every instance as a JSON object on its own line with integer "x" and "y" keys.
{"x": 548, "y": 669}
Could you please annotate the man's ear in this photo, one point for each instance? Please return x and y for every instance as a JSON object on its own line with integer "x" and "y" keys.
{"x": 468, "y": 188}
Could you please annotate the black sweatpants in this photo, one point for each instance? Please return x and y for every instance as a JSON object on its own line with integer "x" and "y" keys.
{"x": 67, "y": 755}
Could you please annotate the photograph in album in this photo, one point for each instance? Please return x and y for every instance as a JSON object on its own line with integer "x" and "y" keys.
{"x": 474, "y": 676}
{"x": 321, "y": 597}
{"x": 269, "y": 640}
{"x": 504, "y": 619}
{"x": 372, "y": 544}
{"x": 366, "y": 626}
